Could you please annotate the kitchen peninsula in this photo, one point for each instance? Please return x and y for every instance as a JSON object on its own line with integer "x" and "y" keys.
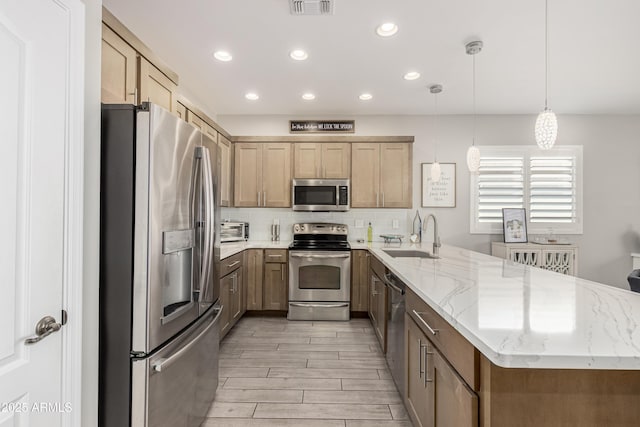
{"x": 523, "y": 346}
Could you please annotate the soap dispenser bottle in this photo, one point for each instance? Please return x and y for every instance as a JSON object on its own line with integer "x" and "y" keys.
{"x": 369, "y": 233}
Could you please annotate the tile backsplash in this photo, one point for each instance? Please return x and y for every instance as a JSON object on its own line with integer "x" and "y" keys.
{"x": 382, "y": 221}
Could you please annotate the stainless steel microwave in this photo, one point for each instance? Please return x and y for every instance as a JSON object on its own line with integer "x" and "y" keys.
{"x": 320, "y": 195}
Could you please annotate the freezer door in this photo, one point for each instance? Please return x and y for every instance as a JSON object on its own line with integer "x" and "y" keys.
{"x": 176, "y": 386}
{"x": 165, "y": 255}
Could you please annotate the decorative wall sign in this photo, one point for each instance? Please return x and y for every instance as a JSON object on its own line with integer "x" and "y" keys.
{"x": 514, "y": 224}
{"x": 442, "y": 193}
{"x": 322, "y": 126}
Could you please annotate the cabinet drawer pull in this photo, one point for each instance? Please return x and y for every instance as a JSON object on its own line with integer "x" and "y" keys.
{"x": 233, "y": 264}
{"x": 433, "y": 331}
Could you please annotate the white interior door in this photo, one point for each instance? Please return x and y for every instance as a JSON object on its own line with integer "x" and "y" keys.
{"x": 41, "y": 43}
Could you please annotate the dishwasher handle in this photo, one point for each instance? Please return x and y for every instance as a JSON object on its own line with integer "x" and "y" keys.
{"x": 388, "y": 280}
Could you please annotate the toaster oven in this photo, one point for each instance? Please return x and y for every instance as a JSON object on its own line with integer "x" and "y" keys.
{"x": 234, "y": 231}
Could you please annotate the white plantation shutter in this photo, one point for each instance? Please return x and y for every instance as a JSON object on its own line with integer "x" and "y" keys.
{"x": 552, "y": 193}
{"x": 500, "y": 185}
{"x": 546, "y": 183}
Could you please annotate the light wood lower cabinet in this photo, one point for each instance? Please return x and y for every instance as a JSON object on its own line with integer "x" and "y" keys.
{"x": 359, "y": 280}
{"x": 381, "y": 175}
{"x": 275, "y": 293}
{"x": 255, "y": 268}
{"x": 416, "y": 391}
{"x": 262, "y": 174}
{"x": 378, "y": 302}
{"x": 435, "y": 395}
{"x": 232, "y": 289}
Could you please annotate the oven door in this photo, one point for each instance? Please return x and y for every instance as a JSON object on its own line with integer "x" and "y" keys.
{"x": 319, "y": 276}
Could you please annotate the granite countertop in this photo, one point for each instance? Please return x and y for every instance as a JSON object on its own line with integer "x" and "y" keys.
{"x": 517, "y": 316}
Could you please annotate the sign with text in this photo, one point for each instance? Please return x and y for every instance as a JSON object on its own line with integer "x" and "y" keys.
{"x": 322, "y": 126}
{"x": 442, "y": 193}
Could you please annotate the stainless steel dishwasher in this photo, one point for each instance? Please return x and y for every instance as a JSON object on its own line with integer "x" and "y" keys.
{"x": 395, "y": 329}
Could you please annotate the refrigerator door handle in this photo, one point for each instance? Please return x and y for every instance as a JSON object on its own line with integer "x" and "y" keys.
{"x": 164, "y": 363}
{"x": 206, "y": 251}
{"x": 210, "y": 229}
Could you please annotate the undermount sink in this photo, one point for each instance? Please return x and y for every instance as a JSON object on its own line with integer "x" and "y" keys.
{"x": 406, "y": 253}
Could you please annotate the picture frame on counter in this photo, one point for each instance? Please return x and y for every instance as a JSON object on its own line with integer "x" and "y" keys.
{"x": 442, "y": 193}
{"x": 514, "y": 225}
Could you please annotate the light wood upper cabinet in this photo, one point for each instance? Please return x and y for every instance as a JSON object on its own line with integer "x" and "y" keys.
{"x": 262, "y": 175}
{"x": 395, "y": 176}
{"x": 119, "y": 69}
{"x": 197, "y": 122}
{"x": 322, "y": 160}
{"x": 247, "y": 173}
{"x": 336, "y": 160}
{"x": 181, "y": 111}
{"x": 381, "y": 175}
{"x": 307, "y": 160}
{"x": 365, "y": 175}
{"x": 225, "y": 170}
{"x": 155, "y": 87}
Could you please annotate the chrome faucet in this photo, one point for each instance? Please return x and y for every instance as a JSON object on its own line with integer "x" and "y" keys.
{"x": 436, "y": 237}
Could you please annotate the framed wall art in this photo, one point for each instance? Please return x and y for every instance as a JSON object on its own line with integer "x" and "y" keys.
{"x": 514, "y": 224}
{"x": 440, "y": 194}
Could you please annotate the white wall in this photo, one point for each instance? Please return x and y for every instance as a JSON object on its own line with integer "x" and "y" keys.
{"x": 611, "y": 176}
{"x": 91, "y": 240}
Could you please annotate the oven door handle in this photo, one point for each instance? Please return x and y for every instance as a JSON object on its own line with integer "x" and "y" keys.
{"x": 309, "y": 305}
{"x": 296, "y": 255}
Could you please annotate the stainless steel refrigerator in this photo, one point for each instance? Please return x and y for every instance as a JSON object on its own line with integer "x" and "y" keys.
{"x": 159, "y": 275}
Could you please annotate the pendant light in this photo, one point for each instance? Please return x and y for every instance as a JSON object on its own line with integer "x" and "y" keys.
{"x": 473, "y": 154}
{"x": 546, "y": 129}
{"x": 436, "y": 171}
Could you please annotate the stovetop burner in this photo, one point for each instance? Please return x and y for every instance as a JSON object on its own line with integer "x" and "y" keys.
{"x": 320, "y": 237}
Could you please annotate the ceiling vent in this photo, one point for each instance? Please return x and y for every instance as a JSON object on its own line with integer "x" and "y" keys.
{"x": 311, "y": 7}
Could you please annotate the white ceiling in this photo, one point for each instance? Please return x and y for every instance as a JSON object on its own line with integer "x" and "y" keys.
{"x": 593, "y": 54}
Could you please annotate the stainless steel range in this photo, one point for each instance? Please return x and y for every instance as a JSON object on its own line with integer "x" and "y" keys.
{"x": 319, "y": 272}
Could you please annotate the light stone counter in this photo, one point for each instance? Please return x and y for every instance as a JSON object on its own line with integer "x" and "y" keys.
{"x": 232, "y": 248}
{"x": 520, "y": 316}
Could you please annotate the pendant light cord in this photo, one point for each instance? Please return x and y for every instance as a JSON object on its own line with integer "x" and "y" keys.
{"x": 473, "y": 141}
{"x": 546, "y": 52}
{"x": 435, "y": 147}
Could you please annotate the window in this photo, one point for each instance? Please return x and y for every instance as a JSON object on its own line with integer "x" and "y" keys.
{"x": 547, "y": 183}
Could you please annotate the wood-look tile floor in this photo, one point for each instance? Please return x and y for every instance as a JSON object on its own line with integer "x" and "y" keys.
{"x": 275, "y": 372}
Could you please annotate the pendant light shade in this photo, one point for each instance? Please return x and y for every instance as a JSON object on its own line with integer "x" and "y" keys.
{"x": 436, "y": 171}
{"x": 473, "y": 153}
{"x": 473, "y": 159}
{"x": 546, "y": 130}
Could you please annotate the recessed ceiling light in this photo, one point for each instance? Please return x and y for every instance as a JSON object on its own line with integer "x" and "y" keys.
{"x": 222, "y": 55}
{"x": 387, "y": 29}
{"x": 299, "y": 55}
{"x": 365, "y": 96}
{"x": 251, "y": 96}
{"x": 308, "y": 97}
{"x": 412, "y": 75}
